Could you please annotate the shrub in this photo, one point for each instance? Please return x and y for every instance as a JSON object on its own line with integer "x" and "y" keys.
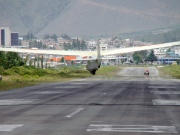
{"x": 1, "y": 70}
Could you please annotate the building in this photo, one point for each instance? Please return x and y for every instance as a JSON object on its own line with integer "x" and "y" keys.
{"x": 177, "y": 51}
{"x": 160, "y": 52}
{"x": 91, "y": 45}
{"x": 8, "y": 39}
{"x": 14, "y": 39}
{"x": 103, "y": 47}
{"x": 5, "y": 36}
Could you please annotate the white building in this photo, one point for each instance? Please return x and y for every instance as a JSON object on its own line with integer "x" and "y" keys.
{"x": 91, "y": 44}
{"x": 103, "y": 47}
{"x": 5, "y": 36}
{"x": 177, "y": 51}
{"x": 160, "y": 52}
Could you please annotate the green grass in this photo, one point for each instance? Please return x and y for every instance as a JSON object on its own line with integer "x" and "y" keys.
{"x": 108, "y": 70}
{"x": 18, "y": 77}
{"x": 170, "y": 70}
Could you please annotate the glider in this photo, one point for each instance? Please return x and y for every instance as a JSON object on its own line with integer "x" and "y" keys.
{"x": 93, "y": 64}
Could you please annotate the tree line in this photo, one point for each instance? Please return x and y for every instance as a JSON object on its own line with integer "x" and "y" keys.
{"x": 10, "y": 59}
{"x": 141, "y": 56}
{"x": 75, "y": 45}
{"x": 48, "y": 36}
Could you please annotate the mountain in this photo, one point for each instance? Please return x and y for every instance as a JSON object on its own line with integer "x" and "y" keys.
{"x": 30, "y": 15}
{"x": 87, "y": 17}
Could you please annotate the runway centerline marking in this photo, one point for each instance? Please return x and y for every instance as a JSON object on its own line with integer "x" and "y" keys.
{"x": 47, "y": 92}
{"x": 166, "y": 92}
{"x": 67, "y": 87}
{"x": 132, "y": 128}
{"x": 74, "y": 113}
{"x": 9, "y": 127}
{"x": 78, "y": 83}
{"x": 161, "y": 87}
{"x": 165, "y": 102}
{"x": 16, "y": 101}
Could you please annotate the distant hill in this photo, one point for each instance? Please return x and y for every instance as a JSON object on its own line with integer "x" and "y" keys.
{"x": 87, "y": 17}
{"x": 30, "y": 15}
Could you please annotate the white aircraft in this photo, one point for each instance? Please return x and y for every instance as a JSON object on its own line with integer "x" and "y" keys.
{"x": 93, "y": 64}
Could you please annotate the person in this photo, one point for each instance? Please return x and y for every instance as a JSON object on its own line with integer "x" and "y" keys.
{"x": 146, "y": 72}
{"x": 0, "y": 77}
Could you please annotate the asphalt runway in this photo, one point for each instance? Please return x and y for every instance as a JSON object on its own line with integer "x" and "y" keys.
{"x": 126, "y": 104}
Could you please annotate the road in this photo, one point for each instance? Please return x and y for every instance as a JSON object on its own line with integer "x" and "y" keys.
{"x": 127, "y": 104}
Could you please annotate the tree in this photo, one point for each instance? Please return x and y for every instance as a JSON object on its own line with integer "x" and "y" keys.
{"x": 72, "y": 62}
{"x": 169, "y": 50}
{"x": 78, "y": 43}
{"x": 38, "y": 61}
{"x": 62, "y": 60}
{"x": 30, "y": 62}
{"x": 139, "y": 56}
{"x": 29, "y": 36}
{"x": 35, "y": 60}
{"x": 26, "y": 59}
{"x": 2, "y": 59}
{"x": 36, "y": 44}
{"x": 54, "y": 36}
{"x": 83, "y": 45}
{"x": 178, "y": 62}
{"x": 65, "y": 36}
{"x": 47, "y": 36}
{"x": 10, "y": 59}
{"x": 46, "y": 64}
{"x": 151, "y": 57}
{"x": 42, "y": 61}
{"x": 73, "y": 44}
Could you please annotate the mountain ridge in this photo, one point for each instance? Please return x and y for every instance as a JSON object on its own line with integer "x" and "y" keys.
{"x": 87, "y": 17}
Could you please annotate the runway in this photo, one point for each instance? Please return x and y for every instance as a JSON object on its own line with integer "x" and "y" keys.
{"x": 127, "y": 104}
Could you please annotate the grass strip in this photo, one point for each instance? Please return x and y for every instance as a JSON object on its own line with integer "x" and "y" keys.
{"x": 19, "y": 77}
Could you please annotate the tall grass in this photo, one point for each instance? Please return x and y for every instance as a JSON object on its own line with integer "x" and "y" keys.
{"x": 22, "y": 76}
{"x": 171, "y": 70}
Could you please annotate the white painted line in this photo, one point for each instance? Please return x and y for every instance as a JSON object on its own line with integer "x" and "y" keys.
{"x": 165, "y": 102}
{"x": 67, "y": 87}
{"x": 161, "y": 87}
{"x": 47, "y": 92}
{"x": 104, "y": 93}
{"x": 133, "y": 128}
{"x": 166, "y": 92}
{"x": 75, "y": 112}
{"x": 10, "y": 127}
{"x": 15, "y": 102}
{"x": 81, "y": 83}
{"x": 80, "y": 80}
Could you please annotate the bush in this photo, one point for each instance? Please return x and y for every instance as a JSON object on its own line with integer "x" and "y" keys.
{"x": 1, "y": 70}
